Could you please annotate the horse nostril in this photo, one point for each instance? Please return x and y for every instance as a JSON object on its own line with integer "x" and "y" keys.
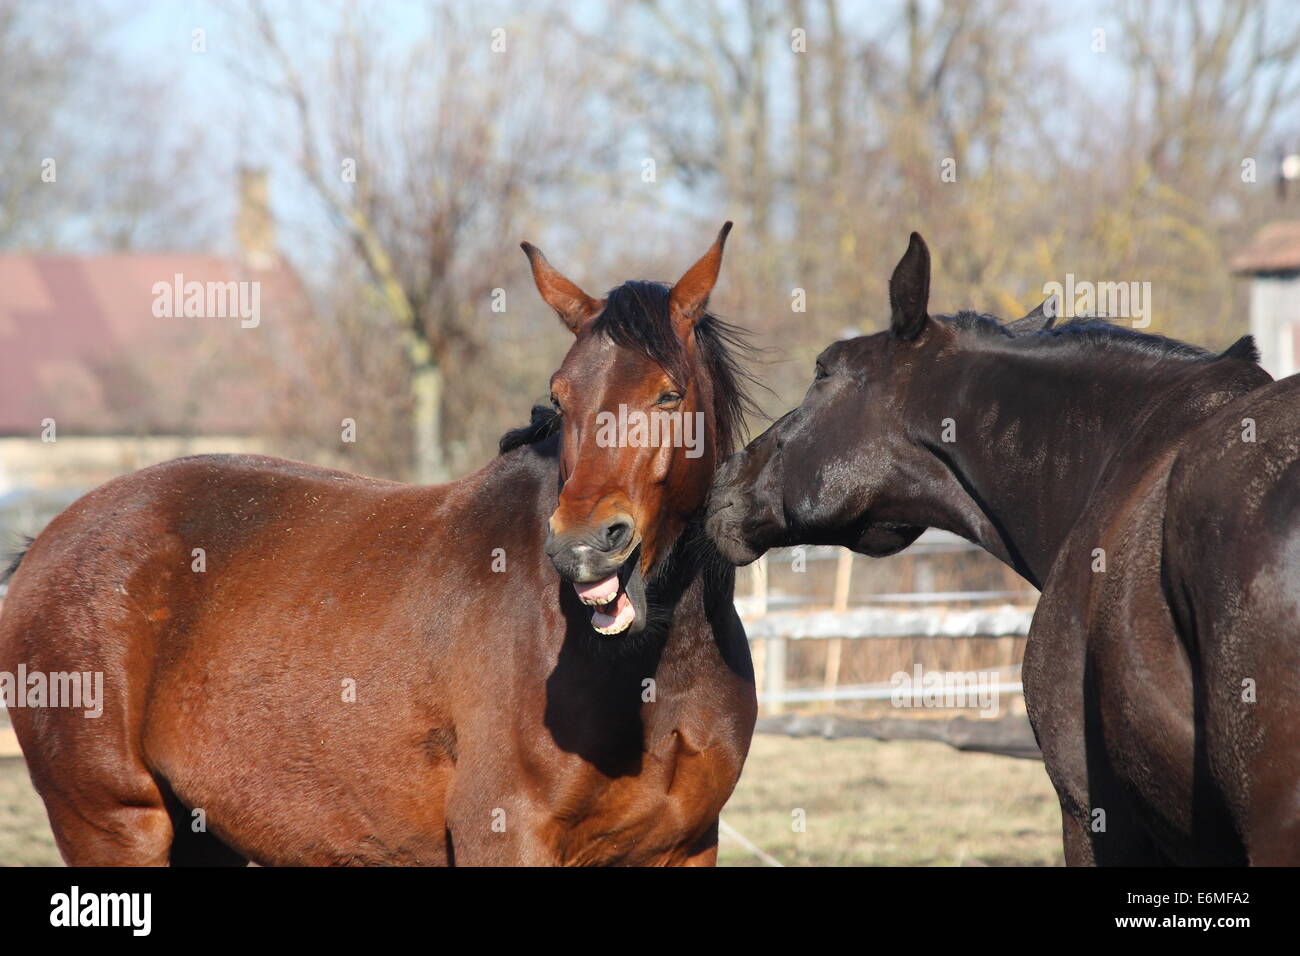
{"x": 618, "y": 533}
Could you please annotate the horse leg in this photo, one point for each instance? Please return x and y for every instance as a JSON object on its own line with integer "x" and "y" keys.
{"x": 1277, "y": 842}
{"x": 488, "y": 823}
{"x": 1252, "y": 747}
{"x": 705, "y": 850}
{"x": 1077, "y": 840}
{"x": 121, "y": 821}
{"x": 1269, "y": 814}
{"x": 104, "y": 804}
{"x": 196, "y": 848}
{"x": 201, "y": 849}
{"x": 121, "y": 816}
{"x": 1099, "y": 825}
{"x": 707, "y": 857}
{"x": 495, "y": 836}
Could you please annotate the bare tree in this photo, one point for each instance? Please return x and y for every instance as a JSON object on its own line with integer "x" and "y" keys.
{"x": 427, "y": 162}
{"x": 83, "y": 165}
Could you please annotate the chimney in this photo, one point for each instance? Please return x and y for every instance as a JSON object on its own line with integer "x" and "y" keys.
{"x": 254, "y": 227}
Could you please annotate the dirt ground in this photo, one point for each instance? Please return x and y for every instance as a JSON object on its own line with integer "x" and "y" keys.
{"x": 803, "y": 802}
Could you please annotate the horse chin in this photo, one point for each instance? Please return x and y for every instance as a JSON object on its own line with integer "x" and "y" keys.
{"x": 635, "y": 588}
{"x": 626, "y": 613}
{"x": 882, "y": 540}
{"x": 736, "y": 551}
{"x": 733, "y": 543}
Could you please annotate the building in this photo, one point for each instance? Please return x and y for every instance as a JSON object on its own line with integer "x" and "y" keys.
{"x": 1272, "y": 262}
{"x": 112, "y": 362}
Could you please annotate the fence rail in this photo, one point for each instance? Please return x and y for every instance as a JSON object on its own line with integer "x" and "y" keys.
{"x": 866, "y": 623}
{"x": 773, "y": 620}
{"x": 880, "y": 691}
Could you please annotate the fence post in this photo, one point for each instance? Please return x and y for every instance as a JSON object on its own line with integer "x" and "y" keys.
{"x": 758, "y": 602}
{"x": 770, "y": 678}
{"x": 758, "y": 585}
{"x": 840, "y": 605}
{"x": 775, "y": 685}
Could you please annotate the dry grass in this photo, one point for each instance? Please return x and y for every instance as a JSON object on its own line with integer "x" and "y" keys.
{"x": 866, "y": 803}
{"x": 896, "y": 803}
{"x": 25, "y": 838}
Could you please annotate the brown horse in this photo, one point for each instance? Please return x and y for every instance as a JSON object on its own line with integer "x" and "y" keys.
{"x": 1150, "y": 488}
{"x": 303, "y": 666}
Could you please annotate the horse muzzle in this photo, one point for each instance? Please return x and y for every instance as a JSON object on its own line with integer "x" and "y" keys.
{"x": 605, "y": 570}
{"x": 724, "y": 523}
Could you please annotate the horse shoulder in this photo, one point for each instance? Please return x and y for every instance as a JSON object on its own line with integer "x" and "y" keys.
{"x": 1082, "y": 660}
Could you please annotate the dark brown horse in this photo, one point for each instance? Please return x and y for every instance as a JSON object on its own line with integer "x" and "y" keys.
{"x": 1150, "y": 489}
{"x": 303, "y": 666}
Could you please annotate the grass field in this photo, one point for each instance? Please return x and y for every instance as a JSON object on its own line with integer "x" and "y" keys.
{"x": 864, "y": 802}
{"x": 895, "y": 803}
{"x": 25, "y": 838}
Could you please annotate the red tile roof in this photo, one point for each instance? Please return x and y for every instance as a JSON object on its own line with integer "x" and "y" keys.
{"x": 1275, "y": 248}
{"x": 79, "y": 343}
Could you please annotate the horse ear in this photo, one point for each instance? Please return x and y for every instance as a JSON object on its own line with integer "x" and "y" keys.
{"x": 1039, "y": 320}
{"x": 909, "y": 291}
{"x": 690, "y": 296}
{"x": 571, "y": 304}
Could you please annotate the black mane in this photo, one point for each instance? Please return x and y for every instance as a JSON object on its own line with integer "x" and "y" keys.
{"x": 1099, "y": 333}
{"x": 543, "y": 423}
{"x": 636, "y": 317}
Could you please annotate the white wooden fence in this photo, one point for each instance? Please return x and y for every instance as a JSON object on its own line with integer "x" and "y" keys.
{"x": 772, "y": 621}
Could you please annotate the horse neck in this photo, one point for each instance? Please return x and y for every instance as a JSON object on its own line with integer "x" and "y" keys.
{"x": 1036, "y": 433}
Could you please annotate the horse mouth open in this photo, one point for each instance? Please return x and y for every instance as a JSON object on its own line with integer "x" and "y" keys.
{"x": 618, "y": 601}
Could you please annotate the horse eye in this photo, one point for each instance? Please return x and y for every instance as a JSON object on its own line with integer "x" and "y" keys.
{"x": 819, "y": 372}
{"x": 555, "y": 404}
{"x": 669, "y": 398}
